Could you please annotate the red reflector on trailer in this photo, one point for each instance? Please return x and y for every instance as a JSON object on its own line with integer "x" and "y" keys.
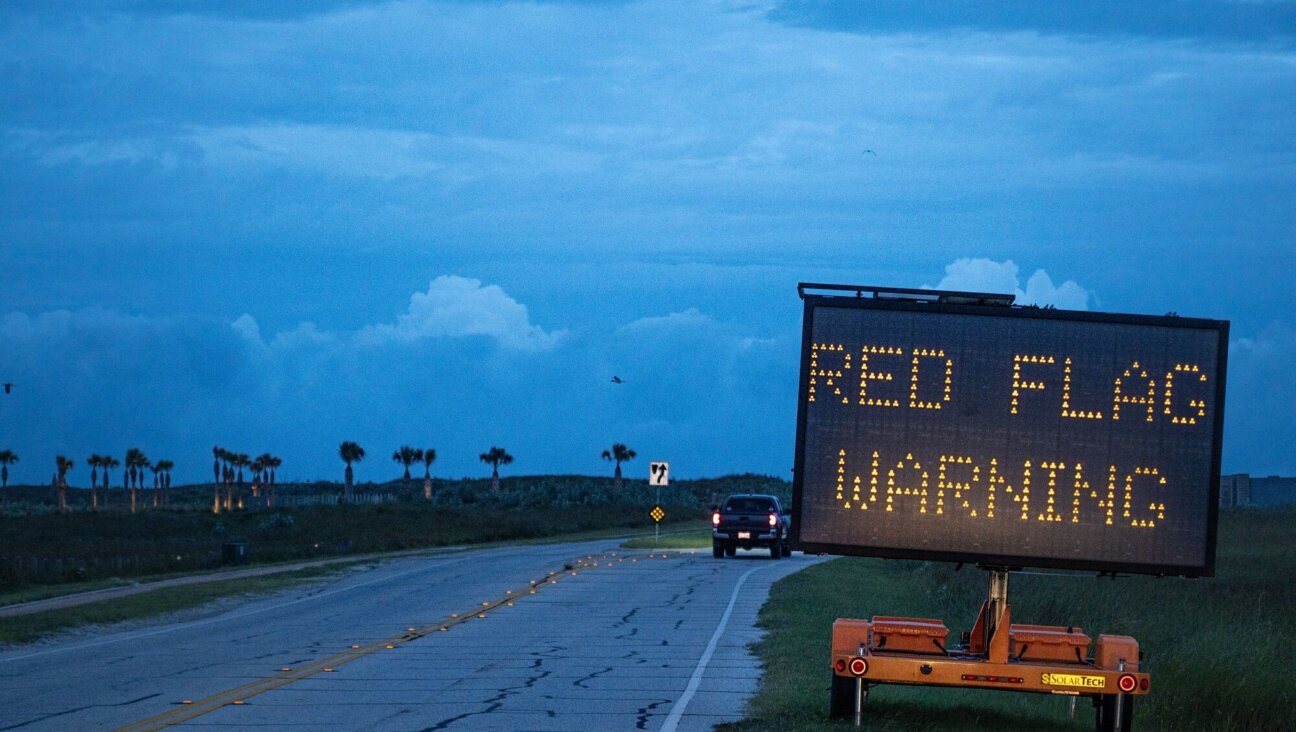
{"x": 858, "y": 666}
{"x": 1127, "y": 683}
{"x": 992, "y": 679}
{"x": 841, "y": 665}
{"x": 1143, "y": 684}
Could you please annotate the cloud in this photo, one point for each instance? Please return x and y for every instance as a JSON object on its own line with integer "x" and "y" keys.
{"x": 1258, "y": 429}
{"x": 458, "y": 306}
{"x": 986, "y": 275}
{"x": 462, "y": 368}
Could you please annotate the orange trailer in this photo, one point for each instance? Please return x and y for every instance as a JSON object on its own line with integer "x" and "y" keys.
{"x": 995, "y": 655}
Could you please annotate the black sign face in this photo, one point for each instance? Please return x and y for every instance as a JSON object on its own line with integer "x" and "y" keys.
{"x": 1009, "y": 436}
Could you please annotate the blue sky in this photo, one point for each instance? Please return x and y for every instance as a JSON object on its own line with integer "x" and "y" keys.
{"x": 449, "y": 224}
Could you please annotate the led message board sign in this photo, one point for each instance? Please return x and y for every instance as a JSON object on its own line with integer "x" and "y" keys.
{"x": 1009, "y": 436}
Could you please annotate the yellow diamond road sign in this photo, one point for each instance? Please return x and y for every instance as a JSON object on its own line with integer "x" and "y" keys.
{"x": 657, "y": 514}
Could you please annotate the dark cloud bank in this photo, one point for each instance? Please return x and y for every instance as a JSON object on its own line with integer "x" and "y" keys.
{"x": 463, "y": 368}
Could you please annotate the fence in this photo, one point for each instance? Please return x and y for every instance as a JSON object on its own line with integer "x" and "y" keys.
{"x": 319, "y": 499}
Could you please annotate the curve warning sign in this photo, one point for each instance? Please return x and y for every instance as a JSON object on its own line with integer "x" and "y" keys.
{"x": 935, "y": 426}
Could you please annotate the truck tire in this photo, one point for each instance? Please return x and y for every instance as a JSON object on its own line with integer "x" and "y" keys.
{"x": 776, "y": 549}
{"x": 841, "y": 700}
{"x": 730, "y": 549}
{"x": 717, "y": 548}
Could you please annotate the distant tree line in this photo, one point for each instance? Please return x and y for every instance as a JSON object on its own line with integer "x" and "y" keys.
{"x": 228, "y": 473}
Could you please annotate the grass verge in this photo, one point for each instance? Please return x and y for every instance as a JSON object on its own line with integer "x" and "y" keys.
{"x": 26, "y": 629}
{"x": 29, "y": 628}
{"x": 695, "y": 536}
{"x": 40, "y": 546}
{"x": 1216, "y": 648}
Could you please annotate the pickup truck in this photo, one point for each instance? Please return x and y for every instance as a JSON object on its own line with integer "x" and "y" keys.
{"x": 750, "y": 520}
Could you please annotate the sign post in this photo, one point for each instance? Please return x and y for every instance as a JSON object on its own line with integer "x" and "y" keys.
{"x": 658, "y": 476}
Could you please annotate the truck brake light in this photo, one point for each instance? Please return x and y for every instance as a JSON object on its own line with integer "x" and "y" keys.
{"x": 715, "y": 519}
{"x": 773, "y": 519}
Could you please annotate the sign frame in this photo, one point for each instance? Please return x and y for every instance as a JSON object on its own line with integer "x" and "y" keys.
{"x": 999, "y": 306}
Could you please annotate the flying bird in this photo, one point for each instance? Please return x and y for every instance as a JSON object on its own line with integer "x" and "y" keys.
{"x": 617, "y": 380}
{"x": 870, "y": 152}
{"x": 8, "y": 388}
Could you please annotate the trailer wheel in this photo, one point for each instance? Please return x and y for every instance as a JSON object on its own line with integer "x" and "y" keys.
{"x": 841, "y": 701}
{"x": 717, "y": 548}
{"x": 1105, "y": 713}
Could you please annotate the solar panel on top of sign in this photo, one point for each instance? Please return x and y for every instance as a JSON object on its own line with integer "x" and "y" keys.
{"x": 1020, "y": 437}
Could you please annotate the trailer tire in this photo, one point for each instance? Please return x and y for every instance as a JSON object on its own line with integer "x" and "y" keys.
{"x": 1105, "y": 713}
{"x": 841, "y": 700}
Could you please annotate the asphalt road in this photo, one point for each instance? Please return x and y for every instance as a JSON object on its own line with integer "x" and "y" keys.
{"x": 484, "y": 640}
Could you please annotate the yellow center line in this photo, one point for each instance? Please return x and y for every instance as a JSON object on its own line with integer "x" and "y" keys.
{"x": 240, "y": 694}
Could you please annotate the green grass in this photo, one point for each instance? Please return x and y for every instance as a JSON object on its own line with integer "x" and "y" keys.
{"x": 29, "y": 628}
{"x": 1217, "y": 648}
{"x": 83, "y": 547}
{"x": 695, "y": 536}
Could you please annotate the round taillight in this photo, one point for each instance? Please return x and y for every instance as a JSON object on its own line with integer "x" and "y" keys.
{"x": 773, "y": 519}
{"x": 841, "y": 665}
{"x": 1127, "y": 683}
{"x": 715, "y": 519}
{"x": 1144, "y": 684}
{"x": 858, "y": 666}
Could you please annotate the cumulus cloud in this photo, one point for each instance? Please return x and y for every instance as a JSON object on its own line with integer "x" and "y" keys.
{"x": 462, "y": 368}
{"x": 459, "y": 306}
{"x": 987, "y": 275}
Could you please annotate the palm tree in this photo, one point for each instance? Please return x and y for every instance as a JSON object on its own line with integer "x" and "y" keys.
{"x": 428, "y": 457}
{"x": 164, "y": 467}
{"x": 618, "y": 454}
{"x": 407, "y": 456}
{"x": 496, "y": 457}
{"x": 227, "y": 479}
{"x": 7, "y": 458}
{"x": 64, "y": 465}
{"x": 257, "y": 467}
{"x": 108, "y": 462}
{"x": 95, "y": 461}
{"x": 350, "y": 452}
{"x": 241, "y": 461}
{"x": 136, "y": 462}
{"x": 157, "y": 484}
{"x": 263, "y": 472}
{"x": 270, "y": 462}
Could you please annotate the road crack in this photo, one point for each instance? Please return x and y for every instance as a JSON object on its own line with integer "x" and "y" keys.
{"x": 581, "y": 681}
{"x": 78, "y": 709}
{"x": 645, "y": 712}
